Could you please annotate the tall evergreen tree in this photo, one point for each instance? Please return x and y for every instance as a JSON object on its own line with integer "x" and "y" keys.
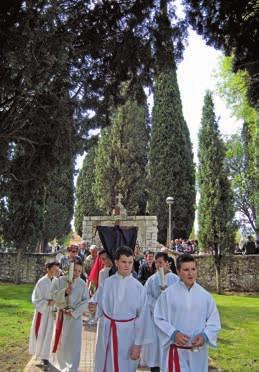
{"x": 85, "y": 202}
{"x": 122, "y": 155}
{"x": 215, "y": 211}
{"x": 171, "y": 159}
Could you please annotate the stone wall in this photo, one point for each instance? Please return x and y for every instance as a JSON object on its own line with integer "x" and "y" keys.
{"x": 32, "y": 266}
{"x": 238, "y": 273}
{"x": 147, "y": 228}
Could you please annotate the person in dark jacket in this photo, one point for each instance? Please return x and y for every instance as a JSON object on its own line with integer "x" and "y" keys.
{"x": 148, "y": 268}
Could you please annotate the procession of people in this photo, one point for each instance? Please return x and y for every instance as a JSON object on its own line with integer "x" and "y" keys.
{"x": 149, "y": 310}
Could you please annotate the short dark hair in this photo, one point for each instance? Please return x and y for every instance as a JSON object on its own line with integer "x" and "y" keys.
{"x": 185, "y": 257}
{"x": 123, "y": 250}
{"x": 102, "y": 252}
{"x": 164, "y": 255}
{"x": 49, "y": 265}
{"x": 78, "y": 262}
{"x": 148, "y": 251}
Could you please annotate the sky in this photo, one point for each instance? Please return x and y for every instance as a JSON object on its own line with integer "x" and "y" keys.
{"x": 195, "y": 76}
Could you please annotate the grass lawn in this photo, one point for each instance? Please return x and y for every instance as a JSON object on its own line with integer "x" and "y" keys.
{"x": 15, "y": 319}
{"x": 238, "y": 344}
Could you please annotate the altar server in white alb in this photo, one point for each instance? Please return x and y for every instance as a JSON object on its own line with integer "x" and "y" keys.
{"x": 158, "y": 282}
{"x": 124, "y": 320}
{"x": 71, "y": 297}
{"x": 188, "y": 321}
{"x": 43, "y": 319}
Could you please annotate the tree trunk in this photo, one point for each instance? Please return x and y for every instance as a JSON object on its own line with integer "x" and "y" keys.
{"x": 218, "y": 281}
{"x": 17, "y": 277}
{"x": 257, "y": 172}
{"x": 43, "y": 246}
{"x": 217, "y": 262}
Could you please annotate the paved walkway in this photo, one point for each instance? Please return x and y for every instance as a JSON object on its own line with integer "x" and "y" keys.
{"x": 87, "y": 353}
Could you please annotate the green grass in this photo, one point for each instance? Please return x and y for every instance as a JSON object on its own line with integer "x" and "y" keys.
{"x": 238, "y": 343}
{"x": 15, "y": 320}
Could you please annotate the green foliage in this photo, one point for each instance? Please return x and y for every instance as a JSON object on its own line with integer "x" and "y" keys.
{"x": 215, "y": 210}
{"x": 233, "y": 88}
{"x": 171, "y": 158}
{"x": 85, "y": 202}
{"x": 240, "y": 162}
{"x": 122, "y": 157}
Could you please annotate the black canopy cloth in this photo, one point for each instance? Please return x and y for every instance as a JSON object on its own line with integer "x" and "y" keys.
{"x": 112, "y": 237}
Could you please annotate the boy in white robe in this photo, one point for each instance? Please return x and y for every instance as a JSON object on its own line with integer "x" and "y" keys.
{"x": 124, "y": 320}
{"x": 43, "y": 319}
{"x": 162, "y": 279}
{"x": 188, "y": 320}
{"x": 71, "y": 300}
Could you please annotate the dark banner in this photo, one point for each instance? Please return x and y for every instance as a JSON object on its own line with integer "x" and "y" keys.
{"x": 112, "y": 237}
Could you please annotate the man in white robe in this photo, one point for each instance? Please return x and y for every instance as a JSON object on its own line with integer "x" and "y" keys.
{"x": 71, "y": 300}
{"x": 43, "y": 319}
{"x": 162, "y": 279}
{"x": 124, "y": 320}
{"x": 188, "y": 320}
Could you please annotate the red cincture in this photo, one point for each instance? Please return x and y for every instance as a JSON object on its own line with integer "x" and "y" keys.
{"x": 37, "y": 324}
{"x": 113, "y": 329}
{"x": 59, "y": 325}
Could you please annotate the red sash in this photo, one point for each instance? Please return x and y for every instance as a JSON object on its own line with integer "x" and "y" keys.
{"x": 173, "y": 357}
{"x": 37, "y": 324}
{"x": 113, "y": 329}
{"x": 59, "y": 325}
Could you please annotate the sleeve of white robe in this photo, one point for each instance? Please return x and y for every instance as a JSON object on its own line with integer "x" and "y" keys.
{"x": 160, "y": 317}
{"x": 151, "y": 299}
{"x": 82, "y": 306}
{"x": 143, "y": 323}
{"x": 213, "y": 323}
{"x": 97, "y": 298}
{"x": 39, "y": 299}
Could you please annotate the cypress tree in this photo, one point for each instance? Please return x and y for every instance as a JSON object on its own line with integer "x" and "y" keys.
{"x": 85, "y": 202}
{"x": 171, "y": 159}
{"x": 122, "y": 155}
{"x": 215, "y": 211}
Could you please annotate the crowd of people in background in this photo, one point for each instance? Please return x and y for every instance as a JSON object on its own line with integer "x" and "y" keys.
{"x": 184, "y": 246}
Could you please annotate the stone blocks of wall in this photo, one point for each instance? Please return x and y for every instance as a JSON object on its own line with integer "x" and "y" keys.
{"x": 238, "y": 273}
{"x": 31, "y": 268}
{"x": 147, "y": 228}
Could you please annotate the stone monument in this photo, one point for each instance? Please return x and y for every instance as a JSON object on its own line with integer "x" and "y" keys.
{"x": 147, "y": 226}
